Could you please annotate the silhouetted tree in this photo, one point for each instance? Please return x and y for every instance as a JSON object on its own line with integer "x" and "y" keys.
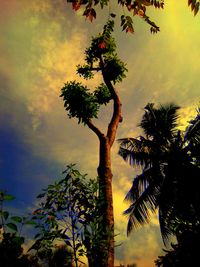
{"x": 68, "y": 212}
{"x": 170, "y": 171}
{"x": 61, "y": 257}
{"x": 186, "y": 251}
{"x": 183, "y": 254}
{"x": 11, "y": 239}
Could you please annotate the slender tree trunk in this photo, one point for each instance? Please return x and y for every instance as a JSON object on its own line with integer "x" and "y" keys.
{"x": 106, "y": 203}
{"x": 106, "y": 253}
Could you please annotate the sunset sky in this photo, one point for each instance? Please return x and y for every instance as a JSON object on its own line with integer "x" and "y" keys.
{"x": 41, "y": 42}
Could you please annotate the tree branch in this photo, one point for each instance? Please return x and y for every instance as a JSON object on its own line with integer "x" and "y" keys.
{"x": 116, "y": 117}
{"x": 94, "y": 69}
{"x": 95, "y": 129}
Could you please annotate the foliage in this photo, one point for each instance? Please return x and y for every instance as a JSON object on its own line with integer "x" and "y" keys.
{"x": 61, "y": 257}
{"x": 114, "y": 68}
{"x": 130, "y": 8}
{"x": 102, "y": 94}
{"x": 54, "y": 255}
{"x": 194, "y": 4}
{"x": 79, "y": 102}
{"x": 11, "y": 252}
{"x": 101, "y": 56}
{"x": 183, "y": 254}
{"x": 101, "y": 45}
{"x": 11, "y": 240}
{"x": 13, "y": 224}
{"x": 135, "y": 8}
{"x": 68, "y": 213}
{"x": 168, "y": 157}
{"x": 193, "y": 134}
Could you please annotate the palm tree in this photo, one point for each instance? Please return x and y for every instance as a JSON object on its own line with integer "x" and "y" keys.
{"x": 193, "y": 136}
{"x": 170, "y": 171}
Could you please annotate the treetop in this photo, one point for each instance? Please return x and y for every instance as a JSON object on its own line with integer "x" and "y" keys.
{"x": 100, "y": 56}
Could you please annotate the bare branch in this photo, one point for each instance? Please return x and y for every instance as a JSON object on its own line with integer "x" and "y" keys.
{"x": 116, "y": 117}
{"x": 95, "y": 129}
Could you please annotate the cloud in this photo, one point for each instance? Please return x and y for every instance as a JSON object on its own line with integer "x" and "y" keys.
{"x": 45, "y": 56}
{"x": 141, "y": 247}
{"x": 48, "y": 57}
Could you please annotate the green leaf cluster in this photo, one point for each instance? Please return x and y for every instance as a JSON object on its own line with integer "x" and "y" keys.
{"x": 82, "y": 104}
{"x": 102, "y": 94}
{"x": 7, "y": 222}
{"x": 103, "y": 44}
{"x": 79, "y": 102}
{"x": 114, "y": 69}
{"x": 102, "y": 51}
{"x": 100, "y": 45}
{"x": 85, "y": 71}
{"x": 4, "y": 196}
{"x": 101, "y": 56}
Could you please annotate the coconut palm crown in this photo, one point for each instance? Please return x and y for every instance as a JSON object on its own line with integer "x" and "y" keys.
{"x": 170, "y": 171}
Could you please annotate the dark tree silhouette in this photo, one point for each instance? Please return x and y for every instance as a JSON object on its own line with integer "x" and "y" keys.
{"x": 183, "y": 254}
{"x": 170, "y": 171}
{"x": 11, "y": 239}
{"x": 68, "y": 212}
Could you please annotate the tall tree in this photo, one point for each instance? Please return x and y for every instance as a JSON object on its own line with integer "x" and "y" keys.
{"x": 170, "y": 171}
{"x": 84, "y": 105}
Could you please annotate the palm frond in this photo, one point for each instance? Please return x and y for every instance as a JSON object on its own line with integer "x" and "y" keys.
{"x": 170, "y": 162}
{"x": 148, "y": 122}
{"x": 135, "y": 151}
{"x": 137, "y": 217}
{"x": 170, "y": 116}
{"x": 166, "y": 201}
{"x": 140, "y": 210}
{"x": 159, "y": 123}
{"x": 193, "y": 131}
{"x": 141, "y": 182}
{"x": 165, "y": 226}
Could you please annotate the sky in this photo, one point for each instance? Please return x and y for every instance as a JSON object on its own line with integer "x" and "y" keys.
{"x": 41, "y": 42}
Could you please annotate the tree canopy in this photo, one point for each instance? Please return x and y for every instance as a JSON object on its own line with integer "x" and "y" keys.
{"x": 79, "y": 101}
